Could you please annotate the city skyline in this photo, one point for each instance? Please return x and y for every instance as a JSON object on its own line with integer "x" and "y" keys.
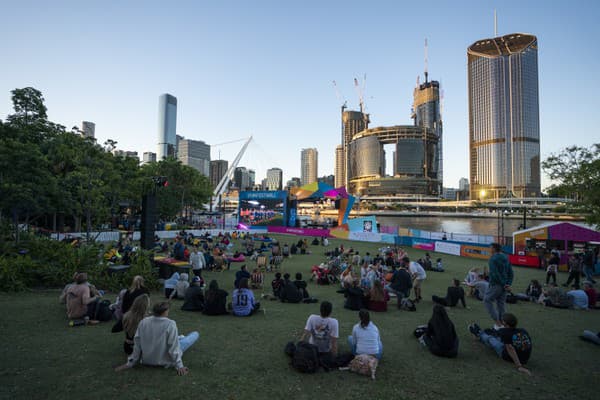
{"x": 261, "y": 65}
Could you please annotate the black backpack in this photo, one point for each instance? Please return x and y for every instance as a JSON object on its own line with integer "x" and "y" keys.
{"x": 103, "y": 311}
{"x": 306, "y": 358}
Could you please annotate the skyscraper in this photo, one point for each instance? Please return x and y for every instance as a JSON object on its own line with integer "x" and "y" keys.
{"x": 194, "y": 153}
{"x": 504, "y": 129}
{"x": 352, "y": 123}
{"x": 340, "y": 177}
{"x": 148, "y": 157}
{"x": 218, "y": 168}
{"x": 309, "y": 159}
{"x": 427, "y": 113}
{"x": 88, "y": 129}
{"x": 241, "y": 179}
{"x": 274, "y": 179}
{"x": 167, "y": 125}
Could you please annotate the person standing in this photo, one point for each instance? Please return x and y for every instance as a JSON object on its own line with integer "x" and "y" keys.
{"x": 588, "y": 265}
{"x": 157, "y": 342}
{"x": 552, "y": 267}
{"x": 418, "y": 274}
{"x": 197, "y": 261}
{"x": 575, "y": 265}
{"x": 501, "y": 277}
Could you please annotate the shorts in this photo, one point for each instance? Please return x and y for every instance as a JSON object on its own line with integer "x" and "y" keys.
{"x": 417, "y": 283}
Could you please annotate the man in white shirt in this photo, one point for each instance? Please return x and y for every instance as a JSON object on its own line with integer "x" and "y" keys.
{"x": 418, "y": 274}
{"x": 157, "y": 342}
{"x": 197, "y": 261}
{"x": 322, "y": 330}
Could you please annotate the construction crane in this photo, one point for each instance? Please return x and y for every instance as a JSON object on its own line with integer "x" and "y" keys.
{"x": 361, "y": 92}
{"x": 224, "y": 182}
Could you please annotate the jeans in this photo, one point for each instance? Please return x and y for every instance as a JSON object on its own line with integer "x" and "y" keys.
{"x": 492, "y": 342}
{"x": 187, "y": 341}
{"x": 495, "y": 293}
{"x": 589, "y": 273}
{"x": 591, "y": 336}
{"x": 352, "y": 345}
{"x": 398, "y": 293}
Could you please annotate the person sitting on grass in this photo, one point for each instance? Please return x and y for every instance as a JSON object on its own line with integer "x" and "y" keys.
{"x": 136, "y": 289}
{"x": 478, "y": 287}
{"x": 590, "y": 336}
{"x": 243, "y": 300}
{"x": 580, "y": 298}
{"x": 194, "y": 297}
{"x": 257, "y": 279}
{"x": 532, "y": 293}
{"x": 215, "y": 300}
{"x": 453, "y": 295}
{"x": 180, "y": 287}
{"x": 439, "y": 335}
{"x": 157, "y": 342}
{"x": 80, "y": 302}
{"x": 509, "y": 342}
{"x": 132, "y": 318}
{"x": 277, "y": 285}
{"x": 556, "y": 297}
{"x": 354, "y": 296}
{"x": 301, "y": 285}
{"x": 365, "y": 337}
{"x": 289, "y": 291}
{"x": 377, "y": 297}
{"x": 322, "y": 330}
{"x": 591, "y": 293}
{"x": 241, "y": 274}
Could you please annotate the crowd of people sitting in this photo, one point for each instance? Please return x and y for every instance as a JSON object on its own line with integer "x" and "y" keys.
{"x": 368, "y": 282}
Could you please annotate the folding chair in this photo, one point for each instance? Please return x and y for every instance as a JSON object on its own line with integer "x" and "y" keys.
{"x": 261, "y": 263}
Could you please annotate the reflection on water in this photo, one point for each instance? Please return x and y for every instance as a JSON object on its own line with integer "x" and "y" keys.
{"x": 479, "y": 226}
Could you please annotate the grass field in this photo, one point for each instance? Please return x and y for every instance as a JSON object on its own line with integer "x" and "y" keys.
{"x": 242, "y": 358}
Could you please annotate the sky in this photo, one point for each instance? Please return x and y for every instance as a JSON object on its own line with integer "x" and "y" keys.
{"x": 265, "y": 68}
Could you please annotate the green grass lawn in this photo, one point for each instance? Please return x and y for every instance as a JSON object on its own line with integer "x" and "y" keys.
{"x": 242, "y": 358}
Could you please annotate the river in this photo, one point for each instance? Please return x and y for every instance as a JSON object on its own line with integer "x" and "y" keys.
{"x": 478, "y": 226}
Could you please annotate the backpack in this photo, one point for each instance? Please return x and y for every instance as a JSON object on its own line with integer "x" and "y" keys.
{"x": 306, "y": 358}
{"x": 103, "y": 311}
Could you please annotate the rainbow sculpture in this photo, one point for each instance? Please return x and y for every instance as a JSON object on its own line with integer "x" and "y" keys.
{"x": 317, "y": 190}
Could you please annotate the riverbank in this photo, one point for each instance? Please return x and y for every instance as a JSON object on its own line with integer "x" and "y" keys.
{"x": 398, "y": 213}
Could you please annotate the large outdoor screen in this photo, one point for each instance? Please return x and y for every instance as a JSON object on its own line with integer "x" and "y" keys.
{"x": 265, "y": 208}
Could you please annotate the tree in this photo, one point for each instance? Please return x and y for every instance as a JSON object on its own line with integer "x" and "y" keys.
{"x": 576, "y": 171}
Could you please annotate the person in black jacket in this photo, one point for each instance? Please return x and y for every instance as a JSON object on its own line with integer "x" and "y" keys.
{"x": 440, "y": 336}
{"x": 453, "y": 295}
{"x": 289, "y": 291}
{"x": 215, "y": 301}
{"x": 354, "y": 296}
{"x": 194, "y": 298}
{"x": 401, "y": 283}
{"x": 301, "y": 285}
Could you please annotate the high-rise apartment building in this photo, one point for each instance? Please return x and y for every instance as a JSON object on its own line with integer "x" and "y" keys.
{"x": 194, "y": 153}
{"x": 309, "y": 159}
{"x": 274, "y": 179}
{"x": 427, "y": 113}
{"x": 88, "y": 129}
{"x": 339, "y": 173}
{"x": 352, "y": 123}
{"x": 167, "y": 125}
{"x": 504, "y": 129}
{"x": 218, "y": 169}
{"x": 241, "y": 179}
{"x": 463, "y": 184}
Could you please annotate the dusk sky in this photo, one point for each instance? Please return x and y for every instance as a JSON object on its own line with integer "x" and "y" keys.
{"x": 265, "y": 68}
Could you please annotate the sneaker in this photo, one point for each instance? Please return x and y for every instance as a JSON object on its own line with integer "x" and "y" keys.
{"x": 497, "y": 327}
{"x": 474, "y": 329}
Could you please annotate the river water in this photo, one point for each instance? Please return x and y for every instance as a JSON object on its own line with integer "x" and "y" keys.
{"x": 477, "y": 226}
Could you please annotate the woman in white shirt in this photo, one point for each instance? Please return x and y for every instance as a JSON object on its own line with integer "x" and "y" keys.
{"x": 365, "y": 337}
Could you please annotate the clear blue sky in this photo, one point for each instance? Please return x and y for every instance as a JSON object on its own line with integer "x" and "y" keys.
{"x": 266, "y": 68}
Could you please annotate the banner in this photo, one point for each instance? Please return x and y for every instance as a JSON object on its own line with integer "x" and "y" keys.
{"x": 363, "y": 224}
{"x": 365, "y": 236}
{"x": 298, "y": 231}
{"x": 428, "y": 246}
{"x": 447, "y": 248}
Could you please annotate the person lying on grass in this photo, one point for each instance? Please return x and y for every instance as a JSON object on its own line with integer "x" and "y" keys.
{"x": 157, "y": 342}
{"x": 509, "y": 342}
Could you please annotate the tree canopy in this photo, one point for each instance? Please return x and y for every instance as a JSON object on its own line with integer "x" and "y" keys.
{"x": 576, "y": 171}
{"x": 47, "y": 170}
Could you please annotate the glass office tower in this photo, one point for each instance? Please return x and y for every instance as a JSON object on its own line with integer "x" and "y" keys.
{"x": 167, "y": 124}
{"x": 504, "y": 129}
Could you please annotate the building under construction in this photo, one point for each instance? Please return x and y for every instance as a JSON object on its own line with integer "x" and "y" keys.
{"x": 361, "y": 159}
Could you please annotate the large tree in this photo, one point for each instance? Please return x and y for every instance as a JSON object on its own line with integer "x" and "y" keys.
{"x": 576, "y": 173}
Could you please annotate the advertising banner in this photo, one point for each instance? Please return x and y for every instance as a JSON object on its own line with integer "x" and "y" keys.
{"x": 423, "y": 245}
{"x": 365, "y": 236}
{"x": 524, "y": 261}
{"x": 447, "y": 248}
{"x": 363, "y": 224}
{"x": 262, "y": 208}
{"x": 474, "y": 251}
{"x": 299, "y": 231}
